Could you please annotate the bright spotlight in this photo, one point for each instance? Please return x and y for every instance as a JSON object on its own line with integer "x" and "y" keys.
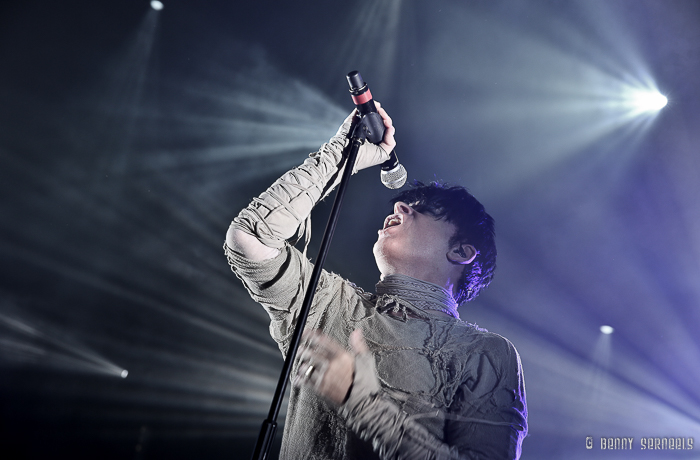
{"x": 124, "y": 373}
{"x": 156, "y": 5}
{"x": 606, "y": 329}
{"x": 649, "y": 101}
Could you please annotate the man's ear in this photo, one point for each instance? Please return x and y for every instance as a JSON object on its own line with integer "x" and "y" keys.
{"x": 461, "y": 254}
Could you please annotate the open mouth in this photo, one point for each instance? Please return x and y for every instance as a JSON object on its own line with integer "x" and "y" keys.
{"x": 392, "y": 221}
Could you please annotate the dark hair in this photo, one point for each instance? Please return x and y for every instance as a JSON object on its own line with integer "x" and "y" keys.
{"x": 474, "y": 226}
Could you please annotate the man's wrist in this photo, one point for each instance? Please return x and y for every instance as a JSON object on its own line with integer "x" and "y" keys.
{"x": 364, "y": 384}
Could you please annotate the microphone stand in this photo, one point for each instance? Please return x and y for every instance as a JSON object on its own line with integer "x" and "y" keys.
{"x": 360, "y": 133}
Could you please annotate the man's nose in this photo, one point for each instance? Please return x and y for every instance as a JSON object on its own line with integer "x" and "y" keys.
{"x": 403, "y": 208}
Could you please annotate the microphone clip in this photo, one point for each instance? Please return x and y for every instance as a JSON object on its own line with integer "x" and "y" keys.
{"x": 370, "y": 127}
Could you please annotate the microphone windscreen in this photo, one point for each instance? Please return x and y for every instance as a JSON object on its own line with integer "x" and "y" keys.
{"x": 394, "y": 178}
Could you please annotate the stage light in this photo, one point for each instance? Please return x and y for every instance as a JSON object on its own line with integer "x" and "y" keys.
{"x": 649, "y": 101}
{"x": 156, "y": 5}
{"x": 124, "y": 373}
{"x": 606, "y": 329}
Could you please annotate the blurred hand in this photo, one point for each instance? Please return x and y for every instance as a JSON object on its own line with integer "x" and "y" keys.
{"x": 326, "y": 367}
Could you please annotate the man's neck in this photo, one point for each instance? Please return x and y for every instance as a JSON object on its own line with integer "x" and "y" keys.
{"x": 430, "y": 277}
{"x": 422, "y": 294}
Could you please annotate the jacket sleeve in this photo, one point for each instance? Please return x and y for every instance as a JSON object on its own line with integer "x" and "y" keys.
{"x": 279, "y": 285}
{"x": 276, "y": 215}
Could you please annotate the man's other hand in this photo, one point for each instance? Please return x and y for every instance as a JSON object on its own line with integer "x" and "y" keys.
{"x": 326, "y": 367}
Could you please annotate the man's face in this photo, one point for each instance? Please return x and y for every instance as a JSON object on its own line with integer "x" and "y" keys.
{"x": 413, "y": 244}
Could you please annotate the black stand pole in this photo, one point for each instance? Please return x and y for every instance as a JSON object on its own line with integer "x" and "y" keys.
{"x": 267, "y": 431}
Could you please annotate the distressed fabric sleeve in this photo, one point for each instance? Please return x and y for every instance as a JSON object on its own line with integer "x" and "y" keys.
{"x": 283, "y": 209}
{"x": 279, "y": 285}
{"x": 279, "y": 212}
{"x": 487, "y": 420}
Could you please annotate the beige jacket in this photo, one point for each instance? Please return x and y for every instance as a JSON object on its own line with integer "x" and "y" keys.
{"x": 432, "y": 388}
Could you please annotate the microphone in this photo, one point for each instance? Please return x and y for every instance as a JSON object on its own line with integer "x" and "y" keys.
{"x": 393, "y": 174}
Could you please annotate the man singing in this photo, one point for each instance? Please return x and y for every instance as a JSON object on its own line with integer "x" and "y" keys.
{"x": 396, "y": 374}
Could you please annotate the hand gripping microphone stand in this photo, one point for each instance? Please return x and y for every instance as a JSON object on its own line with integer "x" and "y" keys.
{"x": 370, "y": 127}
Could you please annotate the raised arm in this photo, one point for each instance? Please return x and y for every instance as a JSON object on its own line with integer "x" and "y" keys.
{"x": 259, "y": 230}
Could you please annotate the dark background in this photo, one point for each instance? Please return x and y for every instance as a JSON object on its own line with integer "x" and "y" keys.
{"x": 129, "y": 139}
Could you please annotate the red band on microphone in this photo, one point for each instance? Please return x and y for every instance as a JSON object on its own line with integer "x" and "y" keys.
{"x": 362, "y": 98}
